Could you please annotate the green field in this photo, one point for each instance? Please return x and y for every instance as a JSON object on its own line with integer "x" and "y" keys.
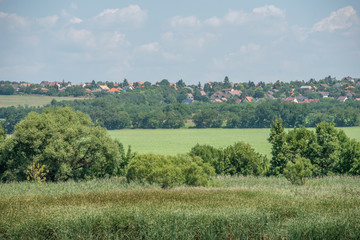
{"x": 30, "y": 100}
{"x": 176, "y": 141}
{"x": 233, "y": 208}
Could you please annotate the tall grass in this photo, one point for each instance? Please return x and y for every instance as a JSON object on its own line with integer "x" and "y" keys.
{"x": 233, "y": 208}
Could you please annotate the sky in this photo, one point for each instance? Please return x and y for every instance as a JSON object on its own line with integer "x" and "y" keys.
{"x": 197, "y": 41}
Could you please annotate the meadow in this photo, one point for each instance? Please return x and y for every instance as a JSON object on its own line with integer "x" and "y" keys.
{"x": 30, "y": 100}
{"x": 231, "y": 208}
{"x": 178, "y": 141}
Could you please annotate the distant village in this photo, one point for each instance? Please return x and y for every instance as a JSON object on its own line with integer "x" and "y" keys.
{"x": 217, "y": 92}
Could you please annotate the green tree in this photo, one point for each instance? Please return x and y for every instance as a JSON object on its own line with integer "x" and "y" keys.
{"x": 63, "y": 140}
{"x": 241, "y": 158}
{"x": 211, "y": 155}
{"x": 169, "y": 171}
{"x": 279, "y": 148}
{"x": 207, "y": 118}
{"x": 298, "y": 171}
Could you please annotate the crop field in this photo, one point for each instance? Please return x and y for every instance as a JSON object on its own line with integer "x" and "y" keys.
{"x": 232, "y": 208}
{"x": 30, "y": 100}
{"x": 177, "y": 141}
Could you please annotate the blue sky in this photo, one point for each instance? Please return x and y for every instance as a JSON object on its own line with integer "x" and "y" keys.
{"x": 110, "y": 40}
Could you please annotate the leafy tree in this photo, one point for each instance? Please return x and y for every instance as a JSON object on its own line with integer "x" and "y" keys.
{"x": 241, "y": 158}
{"x": 211, "y": 155}
{"x": 207, "y": 118}
{"x": 63, "y": 140}
{"x": 279, "y": 148}
{"x": 180, "y": 84}
{"x": 227, "y": 83}
{"x": 169, "y": 171}
{"x": 298, "y": 171}
{"x": 7, "y": 89}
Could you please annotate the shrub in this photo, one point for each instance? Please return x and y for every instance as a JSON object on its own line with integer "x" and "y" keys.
{"x": 169, "y": 171}
{"x": 297, "y": 172}
{"x": 241, "y": 158}
{"x": 211, "y": 155}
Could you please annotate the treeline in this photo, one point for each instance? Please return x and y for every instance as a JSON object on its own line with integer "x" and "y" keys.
{"x": 61, "y": 144}
{"x": 160, "y": 108}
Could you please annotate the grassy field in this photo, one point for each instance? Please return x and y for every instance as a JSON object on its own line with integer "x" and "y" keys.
{"x": 233, "y": 208}
{"x": 30, "y": 100}
{"x": 175, "y": 141}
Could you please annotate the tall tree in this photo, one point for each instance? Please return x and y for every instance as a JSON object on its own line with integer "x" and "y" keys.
{"x": 279, "y": 148}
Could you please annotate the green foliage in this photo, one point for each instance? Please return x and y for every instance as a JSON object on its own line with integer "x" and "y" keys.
{"x": 298, "y": 171}
{"x": 211, "y": 155}
{"x": 66, "y": 142}
{"x": 36, "y": 173}
{"x": 207, "y": 118}
{"x": 241, "y": 158}
{"x": 329, "y": 150}
{"x": 279, "y": 149}
{"x": 169, "y": 171}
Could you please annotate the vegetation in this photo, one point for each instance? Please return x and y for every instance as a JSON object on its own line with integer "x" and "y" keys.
{"x": 243, "y": 208}
{"x": 328, "y": 149}
{"x": 180, "y": 141}
{"x": 237, "y": 159}
{"x": 214, "y": 105}
{"x": 65, "y": 142}
{"x": 169, "y": 171}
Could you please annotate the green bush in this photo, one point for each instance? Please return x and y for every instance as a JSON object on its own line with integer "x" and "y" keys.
{"x": 297, "y": 172}
{"x": 241, "y": 158}
{"x": 169, "y": 171}
{"x": 63, "y": 140}
{"x": 211, "y": 155}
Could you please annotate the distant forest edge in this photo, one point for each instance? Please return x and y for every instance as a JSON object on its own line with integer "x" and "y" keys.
{"x": 212, "y": 105}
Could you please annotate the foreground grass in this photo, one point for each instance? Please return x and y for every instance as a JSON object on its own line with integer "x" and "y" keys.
{"x": 177, "y": 141}
{"x": 233, "y": 208}
{"x": 31, "y": 100}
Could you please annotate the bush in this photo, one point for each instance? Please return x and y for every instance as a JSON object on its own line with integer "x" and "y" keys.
{"x": 210, "y": 155}
{"x": 63, "y": 140}
{"x": 241, "y": 158}
{"x": 169, "y": 171}
{"x": 297, "y": 172}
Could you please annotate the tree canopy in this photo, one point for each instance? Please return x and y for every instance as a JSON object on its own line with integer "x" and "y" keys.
{"x": 65, "y": 141}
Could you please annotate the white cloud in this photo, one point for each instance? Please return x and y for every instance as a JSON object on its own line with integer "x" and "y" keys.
{"x": 13, "y": 20}
{"x": 168, "y": 36}
{"x": 341, "y": 19}
{"x": 172, "y": 56}
{"x": 132, "y": 14}
{"x": 48, "y": 21}
{"x": 3, "y": 14}
{"x": 112, "y": 40}
{"x": 82, "y": 36}
{"x": 190, "y": 21}
{"x": 73, "y": 6}
{"x": 149, "y": 48}
{"x": 236, "y": 17}
{"x": 76, "y": 20}
{"x": 249, "y": 48}
{"x": 269, "y": 10}
{"x": 213, "y": 22}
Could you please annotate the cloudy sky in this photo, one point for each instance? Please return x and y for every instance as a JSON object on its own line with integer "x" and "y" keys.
{"x": 202, "y": 40}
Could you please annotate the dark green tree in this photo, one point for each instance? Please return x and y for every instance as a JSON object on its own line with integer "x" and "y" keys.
{"x": 63, "y": 140}
{"x": 279, "y": 148}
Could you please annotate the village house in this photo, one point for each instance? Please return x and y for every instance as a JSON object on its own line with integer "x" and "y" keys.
{"x": 324, "y": 94}
{"x": 342, "y": 98}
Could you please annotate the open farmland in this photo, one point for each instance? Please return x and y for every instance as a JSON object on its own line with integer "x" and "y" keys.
{"x": 31, "y": 100}
{"x": 177, "y": 141}
{"x": 233, "y": 208}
